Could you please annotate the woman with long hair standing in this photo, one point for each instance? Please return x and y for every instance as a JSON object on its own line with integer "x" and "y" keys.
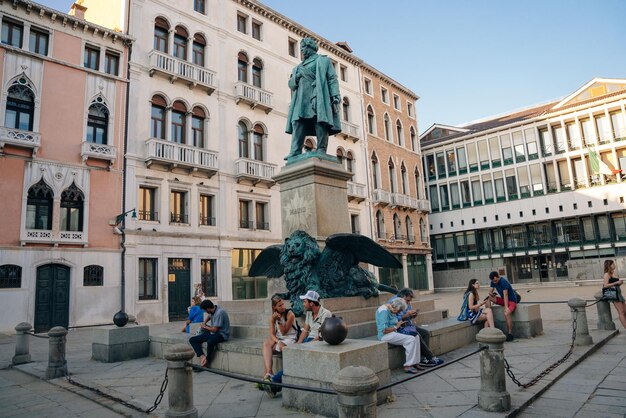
{"x": 610, "y": 279}
{"x": 477, "y": 311}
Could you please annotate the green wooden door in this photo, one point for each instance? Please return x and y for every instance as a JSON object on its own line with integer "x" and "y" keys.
{"x": 178, "y": 288}
{"x": 52, "y": 297}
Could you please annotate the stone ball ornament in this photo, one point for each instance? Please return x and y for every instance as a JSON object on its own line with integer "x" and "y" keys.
{"x": 120, "y": 319}
{"x": 334, "y": 330}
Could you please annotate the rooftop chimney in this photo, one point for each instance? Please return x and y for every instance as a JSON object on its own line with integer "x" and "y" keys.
{"x": 78, "y": 10}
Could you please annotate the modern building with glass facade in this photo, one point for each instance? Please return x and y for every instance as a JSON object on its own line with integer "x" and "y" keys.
{"x": 538, "y": 192}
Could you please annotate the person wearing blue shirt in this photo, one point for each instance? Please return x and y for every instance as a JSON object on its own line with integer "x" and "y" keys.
{"x": 506, "y": 297}
{"x": 196, "y": 315}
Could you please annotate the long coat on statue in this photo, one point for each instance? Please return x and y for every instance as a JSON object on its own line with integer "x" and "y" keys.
{"x": 312, "y": 96}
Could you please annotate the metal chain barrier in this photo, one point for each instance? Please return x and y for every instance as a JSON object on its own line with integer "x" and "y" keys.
{"x": 31, "y": 333}
{"x": 551, "y": 367}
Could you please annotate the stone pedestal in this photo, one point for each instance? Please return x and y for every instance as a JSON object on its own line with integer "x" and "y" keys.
{"x": 57, "y": 364}
{"x": 579, "y": 316}
{"x": 112, "y": 344}
{"x": 314, "y": 197}
{"x": 492, "y": 396}
{"x": 605, "y": 319}
{"x": 22, "y": 352}
{"x": 317, "y": 364}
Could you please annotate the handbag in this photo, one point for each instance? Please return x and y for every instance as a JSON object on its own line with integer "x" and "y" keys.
{"x": 609, "y": 293}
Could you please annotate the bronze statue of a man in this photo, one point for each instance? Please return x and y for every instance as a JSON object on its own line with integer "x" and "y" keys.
{"x": 315, "y": 100}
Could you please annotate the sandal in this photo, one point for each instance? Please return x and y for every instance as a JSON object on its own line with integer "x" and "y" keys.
{"x": 203, "y": 361}
{"x": 411, "y": 370}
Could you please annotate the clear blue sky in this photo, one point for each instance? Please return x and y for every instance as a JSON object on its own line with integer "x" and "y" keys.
{"x": 472, "y": 59}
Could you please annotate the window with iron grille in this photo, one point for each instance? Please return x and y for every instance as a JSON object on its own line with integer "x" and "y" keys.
{"x": 10, "y": 276}
{"x": 93, "y": 275}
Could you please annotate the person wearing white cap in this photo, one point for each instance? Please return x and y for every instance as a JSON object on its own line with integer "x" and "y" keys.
{"x": 315, "y": 316}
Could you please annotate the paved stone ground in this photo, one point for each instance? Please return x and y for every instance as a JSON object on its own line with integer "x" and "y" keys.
{"x": 593, "y": 387}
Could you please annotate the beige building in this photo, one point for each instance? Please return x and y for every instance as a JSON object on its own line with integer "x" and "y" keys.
{"x": 539, "y": 192}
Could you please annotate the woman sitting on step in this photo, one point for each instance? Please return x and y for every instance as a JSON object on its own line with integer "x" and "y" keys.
{"x": 473, "y": 310}
{"x": 283, "y": 331}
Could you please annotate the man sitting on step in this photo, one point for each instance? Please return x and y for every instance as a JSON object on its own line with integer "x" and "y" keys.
{"x": 428, "y": 358}
{"x": 213, "y": 332}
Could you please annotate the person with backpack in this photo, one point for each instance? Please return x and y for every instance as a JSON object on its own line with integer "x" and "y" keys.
{"x": 284, "y": 330}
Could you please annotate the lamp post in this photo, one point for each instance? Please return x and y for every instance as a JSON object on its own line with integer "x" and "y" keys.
{"x": 121, "y": 318}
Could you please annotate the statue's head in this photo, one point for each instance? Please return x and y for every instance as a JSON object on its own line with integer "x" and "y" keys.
{"x": 308, "y": 47}
{"x": 299, "y": 248}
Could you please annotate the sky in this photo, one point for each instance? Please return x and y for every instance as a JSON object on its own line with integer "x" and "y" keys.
{"x": 471, "y": 59}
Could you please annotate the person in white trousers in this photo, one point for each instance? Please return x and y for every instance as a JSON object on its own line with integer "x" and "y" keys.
{"x": 388, "y": 325}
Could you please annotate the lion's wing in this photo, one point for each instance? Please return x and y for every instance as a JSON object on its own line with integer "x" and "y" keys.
{"x": 267, "y": 263}
{"x": 362, "y": 249}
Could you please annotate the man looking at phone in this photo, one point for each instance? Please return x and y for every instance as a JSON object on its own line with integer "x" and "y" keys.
{"x": 428, "y": 359}
{"x": 507, "y": 298}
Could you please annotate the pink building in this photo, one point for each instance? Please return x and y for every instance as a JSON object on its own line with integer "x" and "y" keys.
{"x": 62, "y": 114}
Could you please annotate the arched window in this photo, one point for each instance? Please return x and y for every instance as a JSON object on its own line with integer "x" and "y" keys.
{"x": 392, "y": 176}
{"x": 399, "y": 133}
{"x": 380, "y": 225}
{"x": 180, "y": 43}
{"x": 413, "y": 139}
{"x": 10, "y": 276}
{"x": 345, "y": 107}
{"x": 350, "y": 162}
{"x": 197, "y": 127}
{"x": 371, "y": 121}
{"x": 20, "y": 108}
{"x": 258, "y": 133}
{"x": 397, "y": 227}
{"x": 423, "y": 232}
{"x": 409, "y": 230}
{"x": 375, "y": 174}
{"x": 405, "y": 180}
{"x": 242, "y": 67}
{"x": 72, "y": 209}
{"x": 417, "y": 182}
{"x": 93, "y": 275}
{"x": 387, "y": 126}
{"x": 39, "y": 206}
{"x": 157, "y": 117}
{"x": 179, "y": 125}
{"x": 199, "y": 44}
{"x": 340, "y": 156}
{"x": 161, "y": 34}
{"x": 97, "y": 123}
{"x": 242, "y": 134}
{"x": 308, "y": 145}
{"x": 257, "y": 73}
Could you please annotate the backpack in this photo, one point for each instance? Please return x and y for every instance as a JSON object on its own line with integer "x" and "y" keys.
{"x": 295, "y": 325}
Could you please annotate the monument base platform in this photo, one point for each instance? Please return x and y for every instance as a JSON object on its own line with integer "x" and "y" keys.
{"x": 112, "y": 344}
{"x": 317, "y": 363}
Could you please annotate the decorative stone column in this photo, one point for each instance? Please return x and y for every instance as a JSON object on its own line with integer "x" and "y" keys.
{"x": 579, "y": 315}
{"x": 22, "y": 352}
{"x": 605, "y": 319}
{"x": 57, "y": 365}
{"x": 492, "y": 396}
{"x": 356, "y": 392}
{"x": 180, "y": 387}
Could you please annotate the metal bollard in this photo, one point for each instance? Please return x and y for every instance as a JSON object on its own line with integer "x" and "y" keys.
{"x": 180, "y": 387}
{"x": 356, "y": 392}
{"x": 22, "y": 339}
{"x": 579, "y": 316}
{"x": 57, "y": 365}
{"x": 605, "y": 319}
{"x": 492, "y": 396}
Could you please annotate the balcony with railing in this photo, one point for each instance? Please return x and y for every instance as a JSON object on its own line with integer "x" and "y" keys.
{"x": 254, "y": 171}
{"x": 176, "y": 69}
{"x": 179, "y": 218}
{"x": 207, "y": 220}
{"x": 19, "y": 138}
{"x": 350, "y": 131}
{"x": 356, "y": 192}
{"x": 98, "y": 151}
{"x": 175, "y": 155}
{"x": 381, "y": 197}
{"x": 46, "y": 236}
{"x": 253, "y": 96}
{"x": 423, "y": 205}
{"x": 146, "y": 215}
{"x": 403, "y": 201}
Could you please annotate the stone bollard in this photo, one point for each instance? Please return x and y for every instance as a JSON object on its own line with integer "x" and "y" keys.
{"x": 180, "y": 387}
{"x": 57, "y": 365}
{"x": 605, "y": 319}
{"x": 579, "y": 314}
{"x": 356, "y": 392}
{"x": 22, "y": 352}
{"x": 492, "y": 396}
